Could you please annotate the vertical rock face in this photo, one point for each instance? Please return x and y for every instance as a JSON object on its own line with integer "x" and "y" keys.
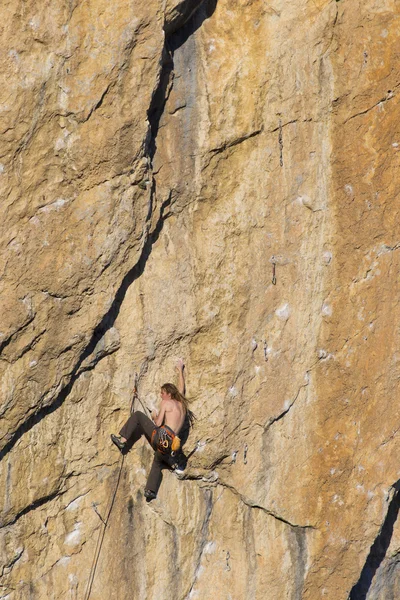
{"x": 217, "y": 181}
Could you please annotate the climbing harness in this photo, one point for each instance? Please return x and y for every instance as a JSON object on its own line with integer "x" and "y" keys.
{"x": 165, "y": 440}
{"x": 102, "y": 532}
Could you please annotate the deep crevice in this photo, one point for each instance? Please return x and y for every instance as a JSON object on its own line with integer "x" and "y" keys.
{"x": 228, "y": 145}
{"x": 284, "y": 412}
{"x": 12, "y": 335}
{"x": 33, "y": 506}
{"x": 183, "y": 11}
{"x": 175, "y": 38}
{"x": 99, "y": 102}
{"x": 208, "y": 496}
{"x": 203, "y": 12}
{"x": 159, "y": 99}
{"x": 105, "y": 324}
{"x": 378, "y": 549}
{"x": 8, "y": 566}
{"x": 173, "y": 41}
{"x": 294, "y": 526}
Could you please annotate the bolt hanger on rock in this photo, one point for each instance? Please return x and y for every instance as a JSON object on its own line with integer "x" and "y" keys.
{"x": 265, "y": 351}
{"x": 273, "y": 261}
{"x": 94, "y": 506}
{"x": 245, "y": 454}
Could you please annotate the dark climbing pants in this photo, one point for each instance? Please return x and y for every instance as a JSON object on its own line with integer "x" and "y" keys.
{"x": 137, "y": 425}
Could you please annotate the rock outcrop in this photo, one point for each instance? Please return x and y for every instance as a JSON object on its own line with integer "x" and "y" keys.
{"x": 217, "y": 181}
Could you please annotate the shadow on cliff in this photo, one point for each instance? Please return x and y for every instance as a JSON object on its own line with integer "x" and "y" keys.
{"x": 378, "y": 549}
{"x": 105, "y": 324}
{"x": 173, "y": 41}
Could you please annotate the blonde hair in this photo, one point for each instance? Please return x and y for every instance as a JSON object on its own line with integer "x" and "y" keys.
{"x": 170, "y": 388}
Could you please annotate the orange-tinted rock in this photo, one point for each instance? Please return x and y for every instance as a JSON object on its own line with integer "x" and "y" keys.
{"x": 223, "y": 188}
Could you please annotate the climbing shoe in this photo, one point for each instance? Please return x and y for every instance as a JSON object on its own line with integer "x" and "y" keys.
{"x": 179, "y": 463}
{"x": 118, "y": 442}
{"x": 179, "y": 473}
{"x": 149, "y": 495}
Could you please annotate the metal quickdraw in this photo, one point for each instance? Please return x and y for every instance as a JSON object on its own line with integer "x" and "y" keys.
{"x": 163, "y": 439}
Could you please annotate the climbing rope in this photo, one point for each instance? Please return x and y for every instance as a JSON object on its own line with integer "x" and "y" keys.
{"x": 136, "y": 391}
{"x": 101, "y": 535}
{"x": 105, "y": 521}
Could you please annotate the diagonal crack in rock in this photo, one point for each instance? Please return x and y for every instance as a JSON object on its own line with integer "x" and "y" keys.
{"x": 54, "y": 398}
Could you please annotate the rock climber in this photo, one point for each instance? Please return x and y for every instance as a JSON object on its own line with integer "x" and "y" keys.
{"x": 161, "y": 432}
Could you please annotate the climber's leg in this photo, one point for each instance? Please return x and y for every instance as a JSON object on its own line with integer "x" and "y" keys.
{"x": 155, "y": 477}
{"x": 137, "y": 425}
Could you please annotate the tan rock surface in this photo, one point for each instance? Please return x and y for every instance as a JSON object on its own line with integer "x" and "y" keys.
{"x": 150, "y": 182}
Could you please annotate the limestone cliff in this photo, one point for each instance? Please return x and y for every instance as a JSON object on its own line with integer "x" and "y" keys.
{"x": 215, "y": 180}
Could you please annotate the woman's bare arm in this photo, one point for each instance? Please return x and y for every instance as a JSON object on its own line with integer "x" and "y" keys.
{"x": 180, "y": 366}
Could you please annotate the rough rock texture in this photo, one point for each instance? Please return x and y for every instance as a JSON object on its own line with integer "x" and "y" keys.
{"x": 158, "y": 159}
